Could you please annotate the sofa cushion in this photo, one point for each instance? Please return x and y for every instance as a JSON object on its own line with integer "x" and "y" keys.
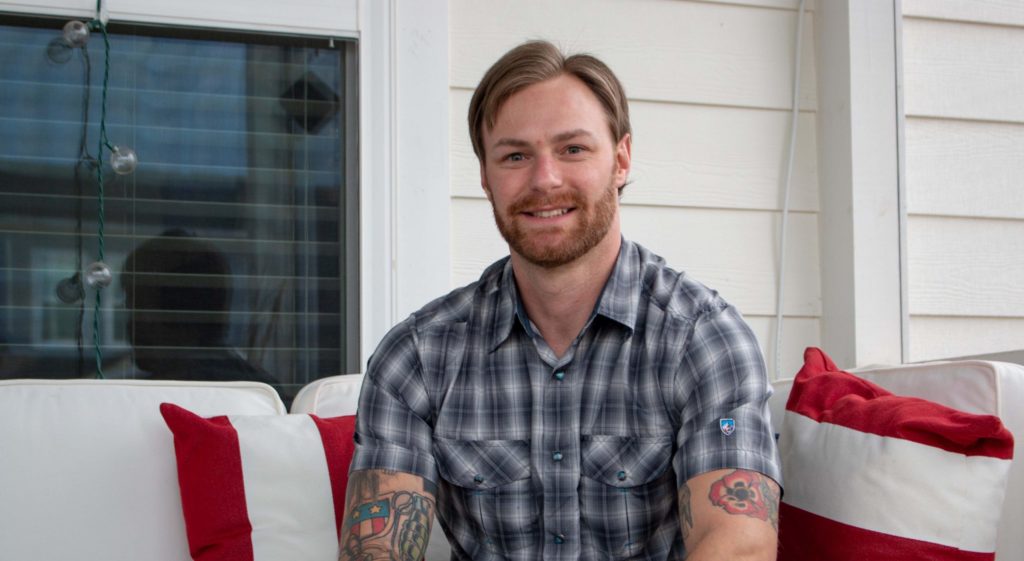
{"x": 329, "y": 397}
{"x": 339, "y": 395}
{"x": 87, "y": 468}
{"x": 872, "y": 475}
{"x": 261, "y": 487}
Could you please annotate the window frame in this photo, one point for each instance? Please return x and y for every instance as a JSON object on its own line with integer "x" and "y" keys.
{"x": 403, "y": 176}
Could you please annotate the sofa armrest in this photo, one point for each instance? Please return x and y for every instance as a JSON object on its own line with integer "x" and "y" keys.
{"x": 87, "y": 467}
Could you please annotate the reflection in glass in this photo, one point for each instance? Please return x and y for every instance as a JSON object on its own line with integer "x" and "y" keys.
{"x": 244, "y": 146}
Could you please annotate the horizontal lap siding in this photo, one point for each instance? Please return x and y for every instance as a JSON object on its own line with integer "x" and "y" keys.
{"x": 955, "y": 336}
{"x": 690, "y": 52}
{"x": 965, "y": 168}
{"x": 966, "y": 267}
{"x": 689, "y": 156}
{"x": 964, "y": 77}
{"x": 710, "y": 87}
{"x": 1001, "y": 12}
{"x": 963, "y": 70}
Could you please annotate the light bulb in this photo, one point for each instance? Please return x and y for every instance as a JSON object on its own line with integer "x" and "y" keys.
{"x": 123, "y": 160}
{"x": 69, "y": 289}
{"x": 58, "y": 50}
{"x": 98, "y": 275}
{"x": 76, "y": 33}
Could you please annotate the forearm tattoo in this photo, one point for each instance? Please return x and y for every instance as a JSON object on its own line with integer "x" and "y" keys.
{"x": 389, "y": 525}
{"x": 685, "y": 511}
{"x": 748, "y": 493}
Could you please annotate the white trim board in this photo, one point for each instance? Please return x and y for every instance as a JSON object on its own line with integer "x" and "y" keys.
{"x": 329, "y": 18}
{"x": 858, "y": 166}
{"x": 405, "y": 247}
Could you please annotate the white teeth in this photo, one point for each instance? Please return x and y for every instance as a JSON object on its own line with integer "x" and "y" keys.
{"x": 550, "y": 213}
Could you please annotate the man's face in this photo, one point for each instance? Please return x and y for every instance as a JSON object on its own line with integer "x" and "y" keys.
{"x": 551, "y": 171}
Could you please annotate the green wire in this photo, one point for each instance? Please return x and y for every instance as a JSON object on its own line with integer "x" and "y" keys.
{"x": 103, "y": 142}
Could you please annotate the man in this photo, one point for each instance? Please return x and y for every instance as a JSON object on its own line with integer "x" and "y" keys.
{"x": 581, "y": 400}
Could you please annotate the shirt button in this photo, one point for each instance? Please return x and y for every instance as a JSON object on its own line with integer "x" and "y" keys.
{"x": 478, "y": 478}
{"x": 559, "y": 539}
{"x": 621, "y": 475}
{"x": 557, "y": 456}
{"x": 559, "y": 375}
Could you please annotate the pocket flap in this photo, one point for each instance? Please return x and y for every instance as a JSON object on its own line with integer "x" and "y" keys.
{"x": 482, "y": 464}
{"x": 625, "y": 461}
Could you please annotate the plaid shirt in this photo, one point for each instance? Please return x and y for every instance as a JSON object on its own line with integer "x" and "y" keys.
{"x": 578, "y": 457}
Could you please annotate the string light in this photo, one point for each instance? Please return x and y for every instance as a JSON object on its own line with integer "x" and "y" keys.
{"x": 98, "y": 275}
{"x": 76, "y": 34}
{"x": 123, "y": 160}
{"x": 69, "y": 290}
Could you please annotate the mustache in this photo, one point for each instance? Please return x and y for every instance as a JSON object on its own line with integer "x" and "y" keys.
{"x": 533, "y": 201}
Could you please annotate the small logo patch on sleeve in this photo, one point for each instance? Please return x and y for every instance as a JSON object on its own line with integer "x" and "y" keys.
{"x": 728, "y": 426}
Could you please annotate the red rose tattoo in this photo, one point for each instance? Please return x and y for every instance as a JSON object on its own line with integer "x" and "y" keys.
{"x": 742, "y": 492}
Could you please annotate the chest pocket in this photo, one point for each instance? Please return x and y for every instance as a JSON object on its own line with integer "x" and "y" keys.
{"x": 627, "y": 491}
{"x": 491, "y": 485}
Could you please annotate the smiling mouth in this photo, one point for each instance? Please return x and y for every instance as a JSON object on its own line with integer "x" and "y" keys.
{"x": 550, "y": 213}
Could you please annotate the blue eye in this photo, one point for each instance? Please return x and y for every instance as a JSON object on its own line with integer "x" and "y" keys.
{"x": 516, "y": 157}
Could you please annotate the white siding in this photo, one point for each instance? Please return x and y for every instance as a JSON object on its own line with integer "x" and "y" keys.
{"x": 966, "y": 267}
{"x": 680, "y": 51}
{"x": 710, "y": 85}
{"x": 965, "y": 168}
{"x": 964, "y": 78}
{"x": 1000, "y": 12}
{"x": 954, "y": 336}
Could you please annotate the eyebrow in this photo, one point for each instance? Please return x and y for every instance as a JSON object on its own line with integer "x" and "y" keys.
{"x": 560, "y": 137}
{"x": 569, "y": 135}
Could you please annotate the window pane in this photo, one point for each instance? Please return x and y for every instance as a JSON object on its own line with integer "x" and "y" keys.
{"x": 228, "y": 243}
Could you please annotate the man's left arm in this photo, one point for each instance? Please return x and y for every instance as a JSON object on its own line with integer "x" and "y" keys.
{"x": 730, "y": 514}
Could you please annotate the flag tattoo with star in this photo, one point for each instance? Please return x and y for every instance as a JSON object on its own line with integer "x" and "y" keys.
{"x": 369, "y": 519}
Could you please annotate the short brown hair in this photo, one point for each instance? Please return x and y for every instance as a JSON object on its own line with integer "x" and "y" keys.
{"x": 534, "y": 62}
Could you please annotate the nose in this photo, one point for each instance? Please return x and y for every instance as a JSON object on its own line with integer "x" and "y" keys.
{"x": 546, "y": 173}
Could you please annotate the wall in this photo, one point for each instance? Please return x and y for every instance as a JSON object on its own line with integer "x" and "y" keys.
{"x": 963, "y": 66}
{"x": 710, "y": 92}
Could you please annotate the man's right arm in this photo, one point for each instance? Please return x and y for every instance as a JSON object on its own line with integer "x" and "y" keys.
{"x": 387, "y": 516}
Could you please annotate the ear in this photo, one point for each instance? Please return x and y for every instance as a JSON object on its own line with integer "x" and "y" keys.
{"x": 483, "y": 180}
{"x": 623, "y": 158}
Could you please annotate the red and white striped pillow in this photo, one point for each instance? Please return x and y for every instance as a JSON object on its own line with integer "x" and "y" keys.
{"x": 870, "y": 475}
{"x": 267, "y": 487}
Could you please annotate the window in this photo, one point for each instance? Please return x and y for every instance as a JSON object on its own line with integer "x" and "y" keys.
{"x": 234, "y": 244}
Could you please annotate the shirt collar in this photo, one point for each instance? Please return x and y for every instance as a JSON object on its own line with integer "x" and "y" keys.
{"x": 619, "y": 299}
{"x": 506, "y": 302}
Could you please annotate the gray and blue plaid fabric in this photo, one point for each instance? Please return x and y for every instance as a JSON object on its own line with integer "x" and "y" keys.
{"x": 577, "y": 457}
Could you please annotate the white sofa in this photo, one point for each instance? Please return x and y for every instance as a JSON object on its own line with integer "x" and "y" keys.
{"x": 87, "y": 467}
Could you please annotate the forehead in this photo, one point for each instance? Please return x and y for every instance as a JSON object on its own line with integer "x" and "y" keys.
{"x": 549, "y": 107}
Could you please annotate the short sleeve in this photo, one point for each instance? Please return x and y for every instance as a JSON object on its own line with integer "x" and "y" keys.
{"x": 393, "y": 429}
{"x": 725, "y": 418}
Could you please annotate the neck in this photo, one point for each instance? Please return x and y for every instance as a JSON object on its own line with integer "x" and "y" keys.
{"x": 559, "y": 300}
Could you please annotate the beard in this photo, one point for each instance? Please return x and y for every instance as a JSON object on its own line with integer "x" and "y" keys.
{"x": 593, "y": 220}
